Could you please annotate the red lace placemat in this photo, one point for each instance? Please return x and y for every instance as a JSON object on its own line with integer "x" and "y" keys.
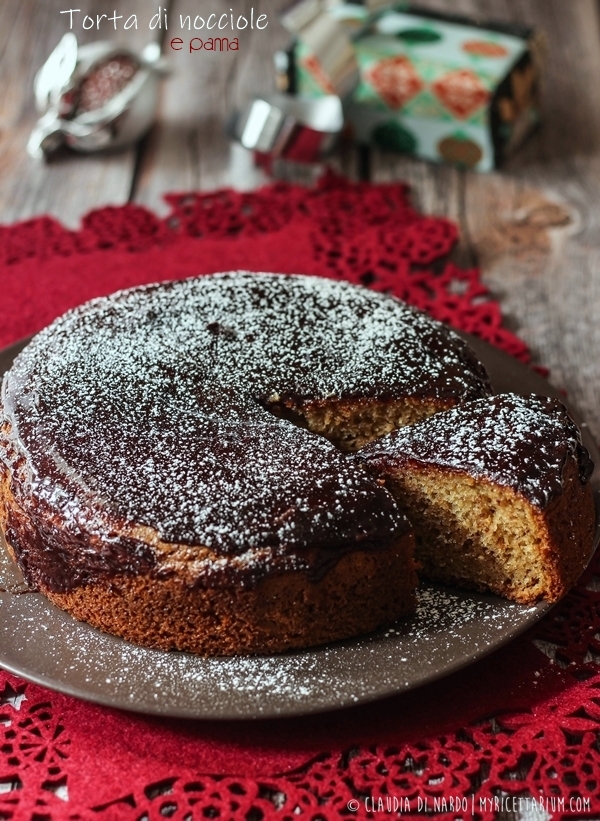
{"x": 514, "y": 733}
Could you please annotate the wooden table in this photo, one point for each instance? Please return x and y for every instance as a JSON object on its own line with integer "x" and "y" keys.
{"x": 534, "y": 229}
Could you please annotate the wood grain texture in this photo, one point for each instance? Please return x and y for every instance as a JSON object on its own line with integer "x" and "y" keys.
{"x": 549, "y": 284}
{"x": 70, "y": 184}
{"x": 534, "y": 228}
{"x": 188, "y": 148}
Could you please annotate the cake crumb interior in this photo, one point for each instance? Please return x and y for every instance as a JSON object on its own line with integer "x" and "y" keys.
{"x": 472, "y": 533}
{"x": 352, "y": 424}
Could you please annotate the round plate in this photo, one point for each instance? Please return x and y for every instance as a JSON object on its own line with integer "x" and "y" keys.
{"x": 450, "y": 630}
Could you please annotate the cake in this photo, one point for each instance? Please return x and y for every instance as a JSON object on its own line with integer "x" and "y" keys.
{"x": 173, "y": 459}
{"x": 497, "y": 491}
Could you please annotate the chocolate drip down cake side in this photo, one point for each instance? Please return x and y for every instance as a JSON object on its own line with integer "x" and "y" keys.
{"x": 215, "y": 465}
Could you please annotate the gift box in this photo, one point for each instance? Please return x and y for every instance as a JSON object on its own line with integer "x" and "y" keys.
{"x": 438, "y": 87}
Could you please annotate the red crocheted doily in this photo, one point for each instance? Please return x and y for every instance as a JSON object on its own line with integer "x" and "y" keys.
{"x": 483, "y": 743}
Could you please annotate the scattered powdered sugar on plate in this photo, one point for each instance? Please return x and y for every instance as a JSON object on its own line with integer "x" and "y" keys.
{"x": 449, "y": 630}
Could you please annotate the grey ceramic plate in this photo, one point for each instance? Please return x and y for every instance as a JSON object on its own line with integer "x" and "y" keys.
{"x": 450, "y": 630}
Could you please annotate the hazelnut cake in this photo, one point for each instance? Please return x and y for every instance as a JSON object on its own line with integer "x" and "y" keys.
{"x": 498, "y": 494}
{"x": 174, "y": 468}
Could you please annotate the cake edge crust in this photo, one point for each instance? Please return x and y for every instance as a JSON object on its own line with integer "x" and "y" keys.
{"x": 287, "y": 610}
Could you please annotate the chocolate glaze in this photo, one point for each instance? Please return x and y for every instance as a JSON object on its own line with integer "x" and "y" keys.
{"x": 59, "y": 560}
{"x": 521, "y": 442}
{"x": 150, "y": 407}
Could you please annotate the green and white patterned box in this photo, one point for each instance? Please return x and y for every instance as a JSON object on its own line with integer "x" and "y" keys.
{"x": 438, "y": 88}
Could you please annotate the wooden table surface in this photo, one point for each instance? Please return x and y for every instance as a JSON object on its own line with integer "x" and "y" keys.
{"x": 534, "y": 228}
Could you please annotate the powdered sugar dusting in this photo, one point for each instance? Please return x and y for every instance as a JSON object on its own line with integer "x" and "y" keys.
{"x": 150, "y": 405}
{"x": 450, "y": 629}
{"x": 520, "y": 442}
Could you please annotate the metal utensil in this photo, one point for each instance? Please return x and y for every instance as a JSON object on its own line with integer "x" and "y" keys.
{"x": 123, "y": 117}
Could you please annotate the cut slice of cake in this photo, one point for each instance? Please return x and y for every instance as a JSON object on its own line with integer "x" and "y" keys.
{"x": 498, "y": 493}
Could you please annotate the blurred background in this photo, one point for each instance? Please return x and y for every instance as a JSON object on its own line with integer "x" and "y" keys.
{"x": 533, "y": 226}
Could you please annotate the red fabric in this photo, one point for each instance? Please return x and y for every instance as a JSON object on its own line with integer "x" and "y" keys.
{"x": 514, "y": 724}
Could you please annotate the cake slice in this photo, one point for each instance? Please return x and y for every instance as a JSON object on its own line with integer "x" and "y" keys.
{"x": 498, "y": 493}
